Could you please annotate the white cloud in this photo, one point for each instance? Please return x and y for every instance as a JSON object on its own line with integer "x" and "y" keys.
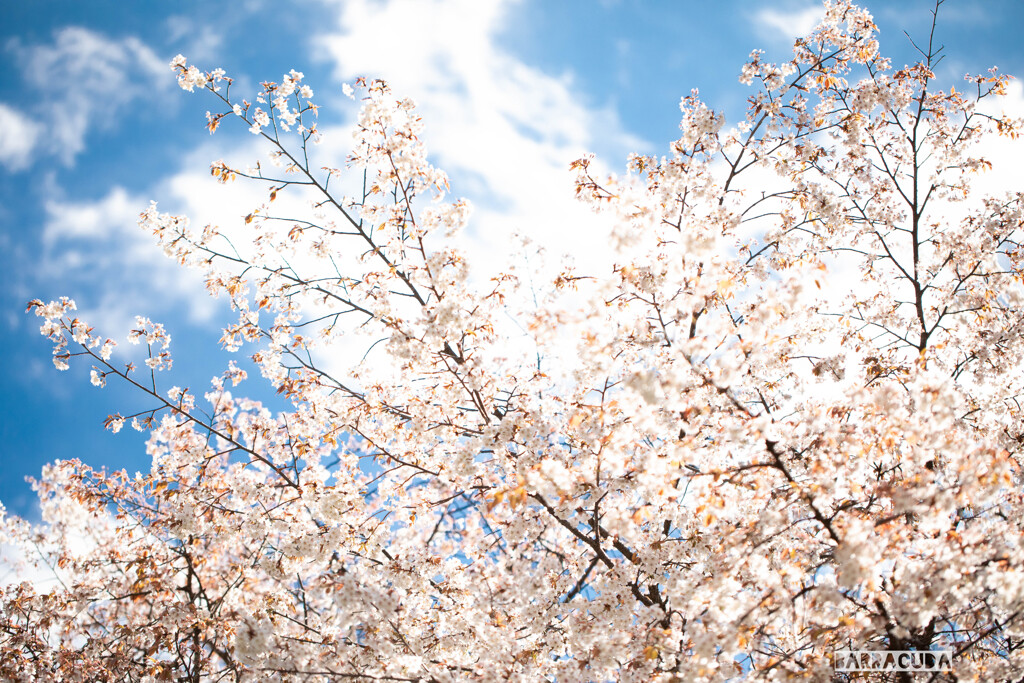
{"x": 102, "y": 220}
{"x": 786, "y": 25}
{"x": 505, "y": 131}
{"x": 195, "y": 37}
{"x": 84, "y": 80}
{"x": 18, "y": 136}
{"x": 1006, "y": 154}
{"x": 98, "y": 253}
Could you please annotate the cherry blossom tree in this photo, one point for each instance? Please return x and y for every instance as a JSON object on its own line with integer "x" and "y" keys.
{"x": 785, "y": 422}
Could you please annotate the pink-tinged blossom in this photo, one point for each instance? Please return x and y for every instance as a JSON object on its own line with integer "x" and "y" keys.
{"x": 785, "y": 420}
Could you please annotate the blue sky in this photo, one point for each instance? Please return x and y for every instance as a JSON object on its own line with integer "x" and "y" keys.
{"x": 93, "y": 127}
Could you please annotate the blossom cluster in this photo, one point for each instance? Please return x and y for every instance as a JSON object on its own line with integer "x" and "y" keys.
{"x": 785, "y": 421}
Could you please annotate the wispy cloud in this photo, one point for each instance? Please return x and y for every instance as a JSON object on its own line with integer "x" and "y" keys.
{"x": 98, "y": 254}
{"x": 18, "y": 137}
{"x": 504, "y": 130}
{"x": 80, "y": 81}
{"x": 194, "y": 36}
{"x": 785, "y": 24}
{"x": 1004, "y": 153}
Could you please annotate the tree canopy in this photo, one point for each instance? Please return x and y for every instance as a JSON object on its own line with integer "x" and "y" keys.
{"x": 784, "y": 421}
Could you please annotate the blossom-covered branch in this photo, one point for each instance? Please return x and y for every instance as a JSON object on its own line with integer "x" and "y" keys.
{"x": 786, "y": 421}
